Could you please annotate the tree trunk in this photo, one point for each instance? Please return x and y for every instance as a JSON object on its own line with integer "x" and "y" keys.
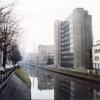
{"x": 4, "y": 57}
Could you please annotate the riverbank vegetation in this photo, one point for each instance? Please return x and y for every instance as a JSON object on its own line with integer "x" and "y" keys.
{"x": 22, "y": 74}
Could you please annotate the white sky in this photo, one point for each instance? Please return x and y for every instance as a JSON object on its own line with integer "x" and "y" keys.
{"x": 37, "y": 18}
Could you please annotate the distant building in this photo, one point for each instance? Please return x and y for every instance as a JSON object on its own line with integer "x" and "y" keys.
{"x": 73, "y": 40}
{"x": 96, "y": 55}
{"x": 45, "y": 55}
{"x": 98, "y": 42}
{"x": 35, "y": 60}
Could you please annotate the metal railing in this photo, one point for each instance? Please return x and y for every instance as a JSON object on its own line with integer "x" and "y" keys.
{"x": 5, "y": 74}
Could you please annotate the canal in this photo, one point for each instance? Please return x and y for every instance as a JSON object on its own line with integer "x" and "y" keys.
{"x": 47, "y": 85}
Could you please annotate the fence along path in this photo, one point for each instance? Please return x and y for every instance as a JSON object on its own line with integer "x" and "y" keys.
{"x": 5, "y": 76}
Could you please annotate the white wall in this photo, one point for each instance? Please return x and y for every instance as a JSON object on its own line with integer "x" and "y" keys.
{"x": 96, "y": 63}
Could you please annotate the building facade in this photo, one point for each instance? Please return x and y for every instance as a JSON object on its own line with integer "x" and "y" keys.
{"x": 96, "y": 55}
{"x": 45, "y": 55}
{"x": 73, "y": 40}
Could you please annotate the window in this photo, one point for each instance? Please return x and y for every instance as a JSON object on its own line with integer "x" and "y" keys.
{"x": 98, "y": 65}
{"x": 97, "y": 51}
{"x": 93, "y": 65}
{"x": 96, "y": 58}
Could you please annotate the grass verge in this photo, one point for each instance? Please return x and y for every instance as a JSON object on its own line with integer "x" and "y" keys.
{"x": 22, "y": 74}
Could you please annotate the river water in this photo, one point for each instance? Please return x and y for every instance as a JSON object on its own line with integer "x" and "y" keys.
{"x": 52, "y": 86}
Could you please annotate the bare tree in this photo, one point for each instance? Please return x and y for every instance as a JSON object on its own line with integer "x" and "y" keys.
{"x": 14, "y": 54}
{"x": 9, "y": 31}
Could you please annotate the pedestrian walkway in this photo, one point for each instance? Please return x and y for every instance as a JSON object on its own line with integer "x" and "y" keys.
{"x": 15, "y": 90}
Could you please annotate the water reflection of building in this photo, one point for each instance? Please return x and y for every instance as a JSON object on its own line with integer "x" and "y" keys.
{"x": 70, "y": 90}
{"x": 83, "y": 92}
{"x": 62, "y": 90}
{"x": 45, "y": 81}
{"x": 96, "y": 95}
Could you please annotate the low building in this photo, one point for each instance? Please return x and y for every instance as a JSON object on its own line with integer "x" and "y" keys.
{"x": 46, "y": 55}
{"x": 96, "y": 55}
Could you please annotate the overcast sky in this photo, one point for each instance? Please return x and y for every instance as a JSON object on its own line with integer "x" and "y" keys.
{"x": 37, "y": 18}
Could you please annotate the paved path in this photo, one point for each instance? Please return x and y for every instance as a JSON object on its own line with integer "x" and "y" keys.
{"x": 15, "y": 90}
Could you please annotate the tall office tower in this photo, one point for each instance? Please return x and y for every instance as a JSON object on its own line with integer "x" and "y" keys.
{"x": 73, "y": 40}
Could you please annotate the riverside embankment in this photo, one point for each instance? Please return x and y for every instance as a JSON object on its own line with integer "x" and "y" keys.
{"x": 75, "y": 74}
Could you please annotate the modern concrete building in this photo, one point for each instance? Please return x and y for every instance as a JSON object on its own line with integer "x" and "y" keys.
{"x": 45, "y": 55}
{"x": 96, "y": 55}
{"x": 73, "y": 40}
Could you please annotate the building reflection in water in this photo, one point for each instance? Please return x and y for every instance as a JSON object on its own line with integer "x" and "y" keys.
{"x": 45, "y": 81}
{"x": 42, "y": 86}
{"x": 64, "y": 87}
{"x": 69, "y": 89}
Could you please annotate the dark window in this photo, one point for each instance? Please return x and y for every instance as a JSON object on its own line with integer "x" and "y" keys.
{"x": 96, "y": 58}
{"x": 97, "y": 51}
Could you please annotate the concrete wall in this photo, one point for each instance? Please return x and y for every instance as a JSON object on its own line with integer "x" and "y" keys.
{"x": 82, "y": 38}
{"x": 96, "y": 62}
{"x": 57, "y": 43}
